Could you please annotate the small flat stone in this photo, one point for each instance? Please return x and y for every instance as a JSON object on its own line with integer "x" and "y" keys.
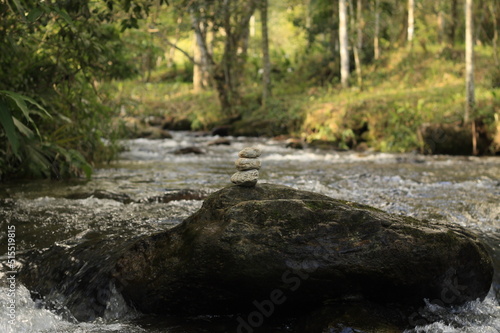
{"x": 245, "y": 178}
{"x": 250, "y": 152}
{"x": 243, "y": 164}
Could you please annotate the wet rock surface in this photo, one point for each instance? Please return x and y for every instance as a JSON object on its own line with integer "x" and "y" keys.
{"x": 298, "y": 250}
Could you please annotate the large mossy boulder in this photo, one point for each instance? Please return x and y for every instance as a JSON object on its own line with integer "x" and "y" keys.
{"x": 247, "y": 247}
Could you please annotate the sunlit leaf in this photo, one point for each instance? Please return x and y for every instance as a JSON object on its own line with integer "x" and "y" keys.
{"x": 41, "y": 108}
{"x": 23, "y": 129}
{"x": 20, "y": 101}
{"x": 21, "y": 104}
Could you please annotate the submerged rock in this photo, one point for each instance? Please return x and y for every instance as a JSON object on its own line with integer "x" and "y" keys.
{"x": 189, "y": 150}
{"x": 219, "y": 142}
{"x": 275, "y": 245}
{"x": 102, "y": 194}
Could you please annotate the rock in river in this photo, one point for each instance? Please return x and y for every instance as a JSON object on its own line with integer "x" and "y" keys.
{"x": 298, "y": 248}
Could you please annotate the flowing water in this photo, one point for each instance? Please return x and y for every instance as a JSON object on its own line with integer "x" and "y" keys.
{"x": 151, "y": 189}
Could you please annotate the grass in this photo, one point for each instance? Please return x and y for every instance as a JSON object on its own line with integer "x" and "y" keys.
{"x": 401, "y": 92}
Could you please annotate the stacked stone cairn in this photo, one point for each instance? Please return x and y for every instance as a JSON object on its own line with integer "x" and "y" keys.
{"x": 248, "y": 165}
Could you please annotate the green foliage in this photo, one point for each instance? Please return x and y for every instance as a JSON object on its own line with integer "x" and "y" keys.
{"x": 401, "y": 127}
{"x": 279, "y": 116}
{"x": 54, "y": 57}
{"x": 26, "y": 152}
{"x": 318, "y": 68}
{"x": 494, "y": 77}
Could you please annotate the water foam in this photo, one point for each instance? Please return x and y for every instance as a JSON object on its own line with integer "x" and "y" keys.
{"x": 475, "y": 316}
{"x": 32, "y": 317}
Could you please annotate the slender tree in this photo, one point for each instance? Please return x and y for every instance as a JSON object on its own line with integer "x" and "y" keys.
{"x": 376, "y": 46}
{"x": 453, "y": 22}
{"x": 359, "y": 23}
{"x": 493, "y": 11}
{"x": 344, "y": 44}
{"x": 231, "y": 17}
{"x": 469, "y": 61}
{"x": 201, "y": 55}
{"x": 359, "y": 39}
{"x": 356, "y": 21}
{"x": 200, "y": 65}
{"x": 441, "y": 22}
{"x": 266, "y": 77}
{"x": 411, "y": 21}
{"x": 308, "y": 15}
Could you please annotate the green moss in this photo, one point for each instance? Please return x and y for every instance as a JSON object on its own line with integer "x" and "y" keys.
{"x": 318, "y": 204}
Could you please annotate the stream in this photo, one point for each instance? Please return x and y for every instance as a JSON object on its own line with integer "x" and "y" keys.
{"x": 150, "y": 189}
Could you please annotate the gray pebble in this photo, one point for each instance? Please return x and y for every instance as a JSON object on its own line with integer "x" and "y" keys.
{"x": 250, "y": 152}
{"x": 246, "y": 178}
{"x": 247, "y": 164}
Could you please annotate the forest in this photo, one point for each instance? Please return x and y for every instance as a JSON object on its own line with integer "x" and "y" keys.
{"x": 76, "y": 76}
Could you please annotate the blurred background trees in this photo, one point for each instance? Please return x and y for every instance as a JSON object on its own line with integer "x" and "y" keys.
{"x": 339, "y": 71}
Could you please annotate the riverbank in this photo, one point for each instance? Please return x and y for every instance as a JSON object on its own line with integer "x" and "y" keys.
{"x": 411, "y": 101}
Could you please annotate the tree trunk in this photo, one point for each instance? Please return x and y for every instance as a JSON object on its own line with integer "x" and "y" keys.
{"x": 266, "y": 77}
{"x": 252, "y": 26}
{"x": 376, "y": 46}
{"x": 495, "y": 33}
{"x": 411, "y": 21}
{"x": 242, "y": 43}
{"x": 203, "y": 64}
{"x": 197, "y": 71}
{"x": 225, "y": 75}
{"x": 454, "y": 22}
{"x": 358, "y": 42}
{"x": 200, "y": 67}
{"x": 469, "y": 61}
{"x": 308, "y": 21}
{"x": 441, "y": 21}
{"x": 359, "y": 36}
{"x": 344, "y": 44}
{"x": 360, "y": 24}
